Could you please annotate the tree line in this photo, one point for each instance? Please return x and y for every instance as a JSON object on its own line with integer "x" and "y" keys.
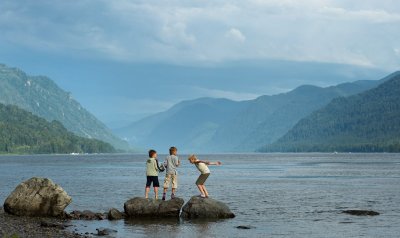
{"x": 23, "y": 132}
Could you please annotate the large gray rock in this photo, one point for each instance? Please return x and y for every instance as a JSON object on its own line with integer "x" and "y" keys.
{"x": 37, "y": 197}
{"x": 114, "y": 214}
{"x": 198, "y": 207}
{"x": 142, "y": 207}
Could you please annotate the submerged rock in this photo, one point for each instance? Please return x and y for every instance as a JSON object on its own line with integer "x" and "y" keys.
{"x": 114, "y": 214}
{"x": 37, "y": 197}
{"x": 198, "y": 207}
{"x": 361, "y": 212}
{"x": 142, "y": 207}
{"x": 105, "y": 231}
{"x": 243, "y": 227}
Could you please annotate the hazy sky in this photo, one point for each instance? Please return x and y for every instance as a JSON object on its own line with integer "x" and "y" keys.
{"x": 135, "y": 57}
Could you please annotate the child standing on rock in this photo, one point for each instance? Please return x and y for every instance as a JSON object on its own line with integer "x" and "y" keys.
{"x": 205, "y": 172}
{"x": 152, "y": 174}
{"x": 171, "y": 162}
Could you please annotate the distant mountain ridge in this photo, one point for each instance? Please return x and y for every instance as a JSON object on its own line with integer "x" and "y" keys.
{"x": 41, "y": 96}
{"x": 366, "y": 122}
{"x": 221, "y": 125}
{"x": 23, "y": 132}
{"x": 267, "y": 118}
{"x": 188, "y": 124}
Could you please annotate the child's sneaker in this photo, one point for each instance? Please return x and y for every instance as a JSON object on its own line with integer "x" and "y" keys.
{"x": 172, "y": 196}
{"x": 163, "y": 197}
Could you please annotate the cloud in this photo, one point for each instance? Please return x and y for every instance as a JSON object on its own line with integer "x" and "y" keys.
{"x": 236, "y": 35}
{"x": 374, "y": 16}
{"x": 397, "y": 51}
{"x": 176, "y": 31}
{"x": 216, "y": 93}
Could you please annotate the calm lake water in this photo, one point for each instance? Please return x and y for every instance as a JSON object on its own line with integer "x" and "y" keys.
{"x": 279, "y": 195}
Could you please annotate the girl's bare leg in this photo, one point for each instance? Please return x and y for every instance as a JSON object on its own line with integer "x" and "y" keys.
{"x": 146, "y": 193}
{"x": 200, "y": 187}
{"x": 205, "y": 190}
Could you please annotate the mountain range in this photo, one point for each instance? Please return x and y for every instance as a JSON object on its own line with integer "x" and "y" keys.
{"x": 221, "y": 125}
{"x": 307, "y": 118}
{"x": 41, "y": 96}
{"x": 23, "y": 132}
{"x": 366, "y": 122}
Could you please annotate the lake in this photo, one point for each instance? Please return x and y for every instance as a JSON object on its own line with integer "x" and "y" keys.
{"x": 279, "y": 195}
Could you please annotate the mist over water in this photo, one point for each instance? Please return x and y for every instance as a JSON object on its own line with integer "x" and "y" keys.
{"x": 279, "y": 195}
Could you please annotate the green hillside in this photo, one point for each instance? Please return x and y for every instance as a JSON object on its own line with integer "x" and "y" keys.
{"x": 267, "y": 118}
{"x": 366, "y": 122}
{"x": 41, "y": 96}
{"x": 23, "y": 132}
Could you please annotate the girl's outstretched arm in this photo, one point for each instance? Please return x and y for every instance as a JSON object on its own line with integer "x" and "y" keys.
{"x": 208, "y": 162}
{"x": 214, "y": 163}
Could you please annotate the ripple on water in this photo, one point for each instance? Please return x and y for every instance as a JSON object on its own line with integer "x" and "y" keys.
{"x": 281, "y": 195}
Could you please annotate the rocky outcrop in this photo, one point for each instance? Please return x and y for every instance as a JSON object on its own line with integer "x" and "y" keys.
{"x": 142, "y": 207}
{"x": 37, "y": 197}
{"x": 198, "y": 207}
{"x": 115, "y": 214}
{"x": 361, "y": 212}
{"x": 86, "y": 215}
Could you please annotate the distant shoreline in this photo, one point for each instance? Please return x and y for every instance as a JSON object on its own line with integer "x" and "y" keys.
{"x": 184, "y": 154}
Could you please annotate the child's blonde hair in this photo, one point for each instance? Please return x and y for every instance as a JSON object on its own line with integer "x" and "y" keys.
{"x": 192, "y": 158}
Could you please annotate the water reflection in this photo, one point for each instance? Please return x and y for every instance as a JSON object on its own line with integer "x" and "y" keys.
{"x": 171, "y": 226}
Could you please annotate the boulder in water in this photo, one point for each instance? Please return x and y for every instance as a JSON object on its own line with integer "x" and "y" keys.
{"x": 199, "y": 207}
{"x": 144, "y": 207}
{"x": 105, "y": 231}
{"x": 114, "y": 214}
{"x": 361, "y": 212}
{"x": 245, "y": 227}
{"x": 37, "y": 197}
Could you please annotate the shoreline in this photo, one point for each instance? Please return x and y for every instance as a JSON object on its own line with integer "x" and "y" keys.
{"x": 30, "y": 227}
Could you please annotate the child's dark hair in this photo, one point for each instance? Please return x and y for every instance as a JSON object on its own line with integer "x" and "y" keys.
{"x": 172, "y": 149}
{"x": 151, "y": 153}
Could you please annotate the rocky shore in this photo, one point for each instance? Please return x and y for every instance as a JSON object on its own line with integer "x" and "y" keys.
{"x": 36, "y": 209}
{"x": 32, "y": 227}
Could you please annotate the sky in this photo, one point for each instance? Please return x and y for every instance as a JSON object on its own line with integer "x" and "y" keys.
{"x": 125, "y": 59}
